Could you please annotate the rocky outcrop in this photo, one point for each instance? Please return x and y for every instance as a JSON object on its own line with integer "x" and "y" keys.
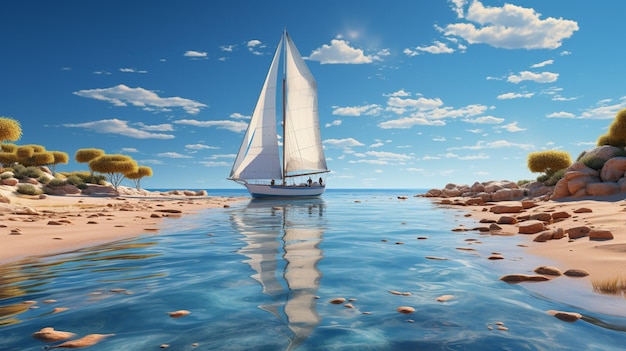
{"x": 580, "y": 180}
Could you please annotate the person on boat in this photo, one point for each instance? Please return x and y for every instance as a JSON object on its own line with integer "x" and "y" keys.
{"x": 320, "y": 181}
{"x": 272, "y": 182}
{"x": 310, "y": 181}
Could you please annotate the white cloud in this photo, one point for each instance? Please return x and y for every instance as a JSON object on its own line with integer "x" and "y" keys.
{"x": 200, "y": 147}
{"x": 467, "y": 157}
{"x": 336, "y": 122}
{"x": 561, "y": 114}
{"x": 512, "y": 127}
{"x": 195, "y": 54}
{"x": 340, "y": 51}
{"x": 172, "y": 155}
{"x": 420, "y": 103}
{"x": 129, "y": 150}
{"x": 132, "y": 70}
{"x": 371, "y": 109}
{"x": 122, "y": 95}
{"x": 227, "y": 48}
{"x": 510, "y": 96}
{"x": 119, "y": 127}
{"x": 238, "y": 116}
{"x": 437, "y": 48}
{"x": 485, "y": 120}
{"x": 157, "y": 127}
{"x": 408, "y": 122}
{"x": 254, "y": 45}
{"x": 233, "y": 126}
{"x": 510, "y": 27}
{"x": 604, "y": 109}
{"x": 542, "y": 64}
{"x": 543, "y": 77}
{"x": 498, "y": 144}
{"x": 215, "y": 163}
{"x": 342, "y": 143}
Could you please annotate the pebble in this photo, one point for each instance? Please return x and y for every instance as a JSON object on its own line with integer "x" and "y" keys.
{"x": 48, "y": 334}
{"x": 405, "y": 309}
{"x": 444, "y": 298}
{"x": 338, "y": 301}
{"x": 85, "y": 341}
{"x": 565, "y": 316}
{"x": 179, "y": 313}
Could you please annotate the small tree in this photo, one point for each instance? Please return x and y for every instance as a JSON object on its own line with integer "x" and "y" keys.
{"x": 59, "y": 157}
{"x": 10, "y": 129}
{"x": 86, "y": 155}
{"x": 142, "y": 171}
{"x": 549, "y": 161}
{"x": 114, "y": 167}
{"x": 8, "y": 155}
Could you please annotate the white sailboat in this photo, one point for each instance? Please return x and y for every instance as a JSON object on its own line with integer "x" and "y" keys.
{"x": 259, "y": 165}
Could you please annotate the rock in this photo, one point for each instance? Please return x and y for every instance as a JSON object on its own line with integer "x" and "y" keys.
{"x": 507, "y": 220}
{"x": 495, "y": 257}
{"x": 494, "y": 226}
{"x": 475, "y": 201}
{"x": 560, "y": 189}
{"x": 548, "y": 270}
{"x": 519, "y": 278}
{"x": 444, "y": 298}
{"x": 179, "y": 313}
{"x": 405, "y": 309}
{"x": 338, "y": 300}
{"x": 528, "y": 204}
{"x": 48, "y": 334}
{"x": 560, "y": 215}
{"x": 558, "y": 233}
{"x": 604, "y": 152}
{"x": 531, "y": 227}
{"x": 477, "y": 188}
{"x": 576, "y": 273}
{"x": 602, "y": 189}
{"x": 10, "y": 181}
{"x": 93, "y": 189}
{"x": 580, "y": 170}
{"x": 577, "y": 232}
{"x": 433, "y": 193}
{"x": 613, "y": 169}
{"x": 497, "y": 209}
{"x": 542, "y": 216}
{"x": 4, "y": 199}
{"x": 544, "y": 236}
{"x": 85, "y": 341}
{"x": 622, "y": 184}
{"x": 62, "y": 190}
{"x": 575, "y": 185}
{"x": 583, "y": 210}
{"x": 565, "y": 316}
{"x": 600, "y": 234}
{"x": 507, "y": 194}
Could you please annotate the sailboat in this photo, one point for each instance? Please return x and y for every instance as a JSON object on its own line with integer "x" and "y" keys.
{"x": 259, "y": 165}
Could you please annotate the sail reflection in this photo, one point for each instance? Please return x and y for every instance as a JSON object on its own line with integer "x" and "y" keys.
{"x": 283, "y": 248}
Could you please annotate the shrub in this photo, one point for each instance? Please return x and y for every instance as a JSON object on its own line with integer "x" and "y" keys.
{"x": 523, "y": 181}
{"x": 593, "y": 162}
{"x": 56, "y": 182}
{"x": 85, "y": 177}
{"x": 75, "y": 180}
{"x": 22, "y": 172}
{"x": 543, "y": 178}
{"x": 609, "y": 139}
{"x": 548, "y": 161}
{"x": 29, "y": 189}
{"x": 555, "y": 177}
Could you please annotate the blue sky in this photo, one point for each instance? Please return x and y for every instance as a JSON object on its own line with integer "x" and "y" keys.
{"x": 412, "y": 94}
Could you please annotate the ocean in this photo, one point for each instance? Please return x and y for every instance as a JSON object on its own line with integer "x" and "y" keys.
{"x": 318, "y": 274}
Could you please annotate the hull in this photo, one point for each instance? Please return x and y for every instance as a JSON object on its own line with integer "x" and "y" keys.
{"x": 265, "y": 190}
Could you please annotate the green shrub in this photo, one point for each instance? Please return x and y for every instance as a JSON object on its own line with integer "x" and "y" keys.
{"x": 75, "y": 180}
{"x": 56, "y": 182}
{"x": 609, "y": 139}
{"x": 593, "y": 162}
{"x": 548, "y": 161}
{"x": 29, "y": 189}
{"x": 523, "y": 181}
{"x": 555, "y": 177}
{"x": 22, "y": 172}
{"x": 85, "y": 177}
{"x": 6, "y": 175}
{"x": 543, "y": 178}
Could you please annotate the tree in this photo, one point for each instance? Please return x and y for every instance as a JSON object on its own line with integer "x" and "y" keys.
{"x": 142, "y": 171}
{"x": 59, "y": 157}
{"x": 86, "y": 155}
{"x": 114, "y": 167}
{"x": 10, "y": 129}
{"x": 548, "y": 161}
{"x": 8, "y": 155}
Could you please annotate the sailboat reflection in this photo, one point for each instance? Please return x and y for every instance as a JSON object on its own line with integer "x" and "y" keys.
{"x": 283, "y": 239}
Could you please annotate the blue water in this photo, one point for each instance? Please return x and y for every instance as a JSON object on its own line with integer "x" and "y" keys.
{"x": 260, "y": 275}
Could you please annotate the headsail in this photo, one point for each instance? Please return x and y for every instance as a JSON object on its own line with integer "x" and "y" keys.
{"x": 258, "y": 156}
{"x": 303, "y": 150}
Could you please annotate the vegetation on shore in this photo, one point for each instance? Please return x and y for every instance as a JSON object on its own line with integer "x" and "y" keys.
{"x": 27, "y": 162}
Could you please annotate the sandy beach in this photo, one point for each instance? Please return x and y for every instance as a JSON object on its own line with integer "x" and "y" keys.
{"x": 604, "y": 259}
{"x": 31, "y": 226}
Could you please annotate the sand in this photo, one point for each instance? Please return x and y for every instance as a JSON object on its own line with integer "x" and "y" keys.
{"x": 31, "y": 227}
{"x": 602, "y": 259}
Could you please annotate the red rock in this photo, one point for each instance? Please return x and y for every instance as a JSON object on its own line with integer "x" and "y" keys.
{"x": 600, "y": 234}
{"x": 497, "y": 209}
{"x": 576, "y": 273}
{"x": 548, "y": 270}
{"x": 531, "y": 227}
{"x": 577, "y": 232}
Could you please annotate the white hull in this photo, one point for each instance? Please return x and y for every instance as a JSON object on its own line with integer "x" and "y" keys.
{"x": 266, "y": 190}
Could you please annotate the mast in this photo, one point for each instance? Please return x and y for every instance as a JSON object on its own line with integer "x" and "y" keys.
{"x": 284, "y": 105}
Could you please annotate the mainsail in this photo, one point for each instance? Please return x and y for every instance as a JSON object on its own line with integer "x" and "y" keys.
{"x": 258, "y": 157}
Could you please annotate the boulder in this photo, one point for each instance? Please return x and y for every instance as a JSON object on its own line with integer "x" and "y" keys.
{"x": 544, "y": 236}
{"x": 574, "y": 185}
{"x": 542, "y": 216}
{"x": 560, "y": 189}
{"x": 622, "y": 184}
{"x": 548, "y": 270}
{"x": 477, "y": 188}
{"x": 454, "y": 192}
{"x": 10, "y": 181}
{"x": 575, "y": 272}
{"x": 600, "y": 234}
{"x": 433, "y": 193}
{"x": 4, "y": 199}
{"x": 93, "y": 189}
{"x": 507, "y": 220}
{"x": 578, "y": 170}
{"x": 604, "y": 152}
{"x": 613, "y": 169}
{"x": 475, "y": 201}
{"x": 62, "y": 190}
{"x": 531, "y": 227}
{"x": 519, "y": 278}
{"x": 577, "y": 232}
{"x": 507, "y": 194}
{"x": 560, "y": 215}
{"x": 602, "y": 189}
{"x": 497, "y": 209}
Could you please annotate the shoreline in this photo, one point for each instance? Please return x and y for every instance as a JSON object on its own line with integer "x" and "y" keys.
{"x": 33, "y": 227}
{"x": 602, "y": 259}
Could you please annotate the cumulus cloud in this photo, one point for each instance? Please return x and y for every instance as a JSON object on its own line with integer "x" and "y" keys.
{"x": 233, "y": 126}
{"x": 512, "y": 127}
{"x": 510, "y": 96}
{"x": 543, "y": 77}
{"x": 437, "y": 48}
{"x": 542, "y": 64}
{"x": 604, "y": 109}
{"x": 200, "y": 147}
{"x": 340, "y": 51}
{"x": 371, "y": 109}
{"x": 195, "y": 54}
{"x": 509, "y": 27}
{"x": 119, "y": 127}
{"x": 122, "y": 95}
{"x": 172, "y": 155}
{"x": 342, "y": 143}
{"x": 336, "y": 122}
{"x": 484, "y": 120}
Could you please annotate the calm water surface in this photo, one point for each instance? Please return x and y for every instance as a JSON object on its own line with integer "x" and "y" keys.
{"x": 260, "y": 276}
